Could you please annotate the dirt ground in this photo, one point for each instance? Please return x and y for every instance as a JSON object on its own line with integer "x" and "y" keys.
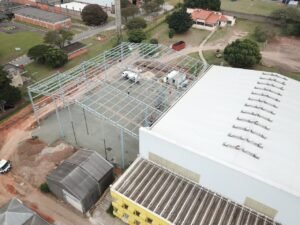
{"x": 32, "y": 160}
{"x": 284, "y": 53}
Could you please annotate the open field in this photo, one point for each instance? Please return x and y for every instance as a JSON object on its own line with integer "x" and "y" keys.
{"x": 256, "y": 7}
{"x": 95, "y": 47}
{"x": 192, "y": 38}
{"x": 23, "y": 40}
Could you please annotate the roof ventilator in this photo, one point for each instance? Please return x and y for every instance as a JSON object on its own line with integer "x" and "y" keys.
{"x": 271, "y": 85}
{"x": 265, "y": 95}
{"x": 259, "y": 145}
{"x": 259, "y": 107}
{"x": 257, "y": 114}
{"x": 250, "y": 131}
{"x": 269, "y": 90}
{"x": 262, "y": 101}
{"x": 255, "y": 122}
{"x": 239, "y": 148}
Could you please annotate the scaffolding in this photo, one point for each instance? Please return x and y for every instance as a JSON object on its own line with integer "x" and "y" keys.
{"x": 97, "y": 87}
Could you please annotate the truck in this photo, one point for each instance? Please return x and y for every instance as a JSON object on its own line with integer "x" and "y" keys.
{"x": 132, "y": 76}
{"x": 5, "y": 166}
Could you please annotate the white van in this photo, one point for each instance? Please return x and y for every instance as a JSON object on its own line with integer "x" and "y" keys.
{"x": 134, "y": 77}
{"x": 5, "y": 166}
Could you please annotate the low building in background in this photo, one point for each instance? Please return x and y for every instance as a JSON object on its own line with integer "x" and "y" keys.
{"x": 210, "y": 20}
{"x": 16, "y": 213}
{"x": 74, "y": 6}
{"x": 148, "y": 193}
{"x": 81, "y": 179}
{"x": 74, "y": 50}
{"x": 38, "y": 17}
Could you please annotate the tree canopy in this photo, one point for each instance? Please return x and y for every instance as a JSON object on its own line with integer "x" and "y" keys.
{"x": 242, "y": 53}
{"x": 58, "y": 38}
{"x": 203, "y": 4}
{"x": 38, "y": 53}
{"x": 93, "y": 14}
{"x": 8, "y": 93}
{"x": 151, "y": 6}
{"x": 136, "y": 35}
{"x": 49, "y": 55}
{"x": 180, "y": 21}
{"x": 290, "y": 20}
{"x": 136, "y": 23}
{"x": 56, "y": 57}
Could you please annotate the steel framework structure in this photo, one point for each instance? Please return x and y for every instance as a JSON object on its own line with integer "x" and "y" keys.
{"x": 97, "y": 86}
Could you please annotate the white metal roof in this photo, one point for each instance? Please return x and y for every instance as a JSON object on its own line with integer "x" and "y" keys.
{"x": 245, "y": 119}
{"x": 107, "y": 3}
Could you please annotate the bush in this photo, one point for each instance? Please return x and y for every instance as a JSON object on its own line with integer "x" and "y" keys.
{"x": 8, "y": 93}
{"x": 56, "y": 57}
{"x": 180, "y": 21}
{"x": 93, "y": 14}
{"x": 204, "y": 4}
{"x": 262, "y": 34}
{"x": 136, "y": 23}
{"x": 110, "y": 210}
{"x": 37, "y": 53}
{"x": 171, "y": 33}
{"x": 44, "y": 188}
{"x": 242, "y": 53}
{"x": 153, "y": 41}
{"x": 136, "y": 36}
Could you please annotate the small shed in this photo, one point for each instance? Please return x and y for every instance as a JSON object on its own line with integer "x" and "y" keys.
{"x": 15, "y": 213}
{"x": 74, "y": 50}
{"x": 81, "y": 179}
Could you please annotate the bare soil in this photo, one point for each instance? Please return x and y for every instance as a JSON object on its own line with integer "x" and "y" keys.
{"x": 283, "y": 53}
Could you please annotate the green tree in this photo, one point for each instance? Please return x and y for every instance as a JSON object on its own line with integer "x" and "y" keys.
{"x": 8, "y": 93}
{"x": 56, "y": 57}
{"x": 44, "y": 188}
{"x": 262, "y": 34}
{"x": 290, "y": 20}
{"x": 136, "y": 36}
{"x": 58, "y": 38}
{"x": 203, "y": 4}
{"x": 151, "y": 6}
{"x": 242, "y": 53}
{"x": 129, "y": 11}
{"x": 136, "y": 23}
{"x": 180, "y": 21}
{"x": 93, "y": 14}
{"x": 171, "y": 33}
{"x": 37, "y": 53}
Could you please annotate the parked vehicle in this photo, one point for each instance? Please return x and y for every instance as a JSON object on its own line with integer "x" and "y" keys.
{"x": 5, "y": 166}
{"x": 134, "y": 77}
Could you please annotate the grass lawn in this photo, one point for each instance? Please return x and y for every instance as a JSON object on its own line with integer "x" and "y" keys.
{"x": 95, "y": 47}
{"x": 257, "y": 7}
{"x": 173, "y": 2}
{"x": 213, "y": 60}
{"x": 23, "y": 40}
{"x": 193, "y": 37}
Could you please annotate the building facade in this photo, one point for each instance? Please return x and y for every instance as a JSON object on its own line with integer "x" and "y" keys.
{"x": 239, "y": 139}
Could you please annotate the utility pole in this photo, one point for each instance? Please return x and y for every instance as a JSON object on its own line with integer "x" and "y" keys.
{"x": 118, "y": 19}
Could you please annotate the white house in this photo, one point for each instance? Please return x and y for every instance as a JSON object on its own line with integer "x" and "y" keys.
{"x": 210, "y": 20}
{"x": 235, "y": 132}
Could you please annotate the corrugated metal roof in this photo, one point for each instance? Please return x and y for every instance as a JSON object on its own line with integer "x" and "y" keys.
{"x": 15, "y": 213}
{"x": 81, "y": 173}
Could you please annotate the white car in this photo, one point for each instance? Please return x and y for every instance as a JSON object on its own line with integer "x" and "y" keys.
{"x": 5, "y": 166}
{"x": 134, "y": 77}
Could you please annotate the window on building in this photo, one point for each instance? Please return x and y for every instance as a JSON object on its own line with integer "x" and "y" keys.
{"x": 125, "y": 206}
{"x": 149, "y": 221}
{"x": 137, "y": 213}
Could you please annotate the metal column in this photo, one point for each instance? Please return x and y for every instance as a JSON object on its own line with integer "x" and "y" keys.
{"x": 122, "y": 148}
{"x": 58, "y": 118}
{"x": 72, "y": 124}
{"x": 33, "y": 107}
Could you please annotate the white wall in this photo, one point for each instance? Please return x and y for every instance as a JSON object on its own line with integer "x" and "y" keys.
{"x": 222, "y": 179}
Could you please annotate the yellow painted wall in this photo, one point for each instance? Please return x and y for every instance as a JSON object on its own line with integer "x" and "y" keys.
{"x": 119, "y": 202}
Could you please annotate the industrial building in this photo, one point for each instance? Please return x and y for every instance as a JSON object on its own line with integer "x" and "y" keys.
{"x": 148, "y": 193}
{"x": 236, "y": 133}
{"x": 16, "y": 213}
{"x": 81, "y": 179}
{"x": 38, "y": 17}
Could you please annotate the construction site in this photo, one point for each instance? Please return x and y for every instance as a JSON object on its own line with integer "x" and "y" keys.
{"x": 101, "y": 103}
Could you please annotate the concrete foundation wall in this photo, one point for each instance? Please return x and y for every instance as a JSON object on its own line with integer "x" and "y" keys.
{"x": 222, "y": 179}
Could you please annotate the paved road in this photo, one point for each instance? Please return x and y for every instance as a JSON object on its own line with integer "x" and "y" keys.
{"x": 93, "y": 31}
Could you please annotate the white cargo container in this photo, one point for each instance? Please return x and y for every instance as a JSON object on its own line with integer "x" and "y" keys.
{"x": 134, "y": 77}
